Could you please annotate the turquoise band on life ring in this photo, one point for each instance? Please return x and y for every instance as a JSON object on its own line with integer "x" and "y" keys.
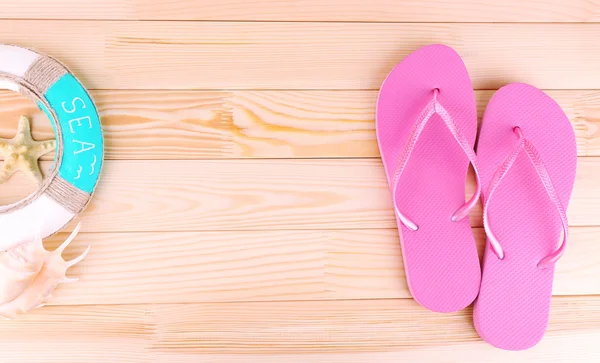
{"x": 79, "y": 155}
{"x": 81, "y": 132}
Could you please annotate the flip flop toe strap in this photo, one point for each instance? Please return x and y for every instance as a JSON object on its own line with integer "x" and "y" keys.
{"x": 534, "y": 157}
{"x": 434, "y": 107}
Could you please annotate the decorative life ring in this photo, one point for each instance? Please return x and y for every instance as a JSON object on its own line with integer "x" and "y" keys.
{"x": 70, "y": 183}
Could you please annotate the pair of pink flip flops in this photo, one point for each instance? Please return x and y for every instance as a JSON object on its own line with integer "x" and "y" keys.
{"x": 525, "y": 170}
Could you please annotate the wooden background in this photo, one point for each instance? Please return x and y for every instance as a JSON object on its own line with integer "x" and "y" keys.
{"x": 243, "y": 213}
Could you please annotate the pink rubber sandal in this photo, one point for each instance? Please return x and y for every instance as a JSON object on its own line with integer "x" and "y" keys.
{"x": 528, "y": 156}
{"x": 426, "y": 127}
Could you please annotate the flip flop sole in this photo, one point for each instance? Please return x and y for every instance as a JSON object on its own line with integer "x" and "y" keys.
{"x": 440, "y": 258}
{"x": 512, "y": 309}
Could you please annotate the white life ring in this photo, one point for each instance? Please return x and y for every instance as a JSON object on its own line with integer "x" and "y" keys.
{"x": 70, "y": 184}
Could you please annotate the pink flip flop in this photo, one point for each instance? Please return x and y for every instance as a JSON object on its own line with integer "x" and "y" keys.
{"x": 527, "y": 154}
{"x": 426, "y": 127}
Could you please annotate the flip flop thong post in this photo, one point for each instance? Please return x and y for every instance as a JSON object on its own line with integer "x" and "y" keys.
{"x": 426, "y": 127}
{"x": 528, "y": 157}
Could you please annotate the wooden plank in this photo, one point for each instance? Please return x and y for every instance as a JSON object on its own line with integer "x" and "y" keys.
{"x": 257, "y": 124}
{"x": 94, "y": 334}
{"x": 205, "y": 195}
{"x": 316, "y": 331}
{"x": 349, "y": 326}
{"x": 195, "y": 267}
{"x": 269, "y": 265}
{"x": 267, "y": 194}
{"x": 309, "y": 10}
{"x": 300, "y": 55}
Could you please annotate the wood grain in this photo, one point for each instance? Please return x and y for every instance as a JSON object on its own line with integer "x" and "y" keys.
{"x": 192, "y": 267}
{"x": 310, "y": 10}
{"x": 201, "y": 195}
{"x": 167, "y": 124}
{"x": 316, "y": 331}
{"x": 300, "y": 55}
{"x": 342, "y": 326}
{"x": 78, "y": 334}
